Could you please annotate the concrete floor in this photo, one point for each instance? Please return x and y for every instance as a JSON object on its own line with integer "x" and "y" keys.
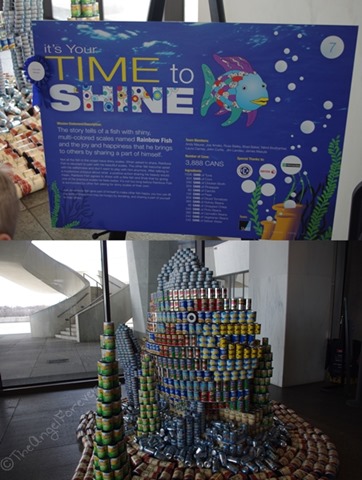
{"x": 27, "y": 420}
{"x": 24, "y": 359}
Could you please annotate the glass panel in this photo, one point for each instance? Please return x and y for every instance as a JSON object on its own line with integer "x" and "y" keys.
{"x": 61, "y": 9}
{"x": 126, "y": 10}
{"x": 50, "y": 315}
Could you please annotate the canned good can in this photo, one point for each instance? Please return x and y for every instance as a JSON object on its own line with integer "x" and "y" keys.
{"x": 108, "y": 328}
{"x": 76, "y": 10}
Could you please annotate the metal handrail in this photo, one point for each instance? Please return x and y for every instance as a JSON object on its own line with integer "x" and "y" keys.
{"x": 98, "y": 285}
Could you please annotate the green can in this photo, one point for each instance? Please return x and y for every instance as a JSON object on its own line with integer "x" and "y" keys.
{"x": 107, "y": 395}
{"x": 99, "y": 422}
{"x": 105, "y": 368}
{"x": 98, "y": 475}
{"x": 108, "y": 476}
{"x": 99, "y": 407}
{"x": 104, "y": 465}
{"x": 118, "y": 434}
{"x": 108, "y": 356}
{"x": 115, "y": 463}
{"x": 107, "y": 424}
{"x": 106, "y": 409}
{"x": 100, "y": 393}
{"x": 101, "y": 451}
{"x": 96, "y": 461}
{"x": 108, "y": 341}
{"x": 107, "y": 381}
{"x": 113, "y": 450}
{"x": 98, "y": 438}
{"x": 108, "y": 327}
{"x": 76, "y": 10}
{"x": 118, "y": 474}
{"x": 107, "y": 438}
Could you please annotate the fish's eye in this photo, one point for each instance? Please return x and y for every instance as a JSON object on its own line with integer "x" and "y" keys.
{"x": 244, "y": 87}
{"x": 263, "y": 85}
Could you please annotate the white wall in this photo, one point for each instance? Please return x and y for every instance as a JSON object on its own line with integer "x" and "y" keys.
{"x": 333, "y": 12}
{"x": 228, "y": 257}
{"x": 268, "y": 290}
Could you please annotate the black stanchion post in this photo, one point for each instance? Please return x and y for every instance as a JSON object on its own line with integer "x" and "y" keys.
{"x": 217, "y": 11}
{"x": 105, "y": 279}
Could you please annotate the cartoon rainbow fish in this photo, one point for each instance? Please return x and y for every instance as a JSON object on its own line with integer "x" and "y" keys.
{"x": 239, "y": 90}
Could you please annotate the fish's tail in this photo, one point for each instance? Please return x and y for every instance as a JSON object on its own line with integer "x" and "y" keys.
{"x": 207, "y": 99}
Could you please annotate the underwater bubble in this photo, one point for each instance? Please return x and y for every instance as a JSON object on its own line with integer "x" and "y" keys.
{"x": 291, "y": 165}
{"x": 307, "y": 127}
{"x": 248, "y": 186}
{"x": 286, "y": 50}
{"x": 260, "y": 202}
{"x": 277, "y": 99}
{"x": 269, "y": 218}
{"x": 328, "y": 105}
{"x": 314, "y": 149}
{"x": 267, "y": 171}
{"x": 292, "y": 86}
{"x": 301, "y": 79}
{"x": 295, "y": 58}
{"x": 292, "y": 147}
{"x": 332, "y": 47}
{"x": 281, "y": 66}
{"x": 290, "y": 204}
{"x": 276, "y": 33}
{"x": 268, "y": 189}
{"x": 288, "y": 179}
{"x": 329, "y": 116}
{"x": 293, "y": 194}
{"x": 325, "y": 125}
{"x": 299, "y": 35}
{"x": 299, "y": 146}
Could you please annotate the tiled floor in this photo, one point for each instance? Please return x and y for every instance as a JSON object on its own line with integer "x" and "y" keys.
{"x": 38, "y": 431}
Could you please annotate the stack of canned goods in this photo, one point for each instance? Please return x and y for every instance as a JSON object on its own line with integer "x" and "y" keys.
{"x": 84, "y": 10}
{"x": 18, "y": 15}
{"x": 7, "y": 41}
{"x": 149, "y": 417}
{"x": 205, "y": 348}
{"x": 129, "y": 357}
{"x": 184, "y": 271}
{"x": 110, "y": 456}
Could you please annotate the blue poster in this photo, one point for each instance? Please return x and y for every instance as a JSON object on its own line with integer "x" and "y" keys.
{"x": 210, "y": 129}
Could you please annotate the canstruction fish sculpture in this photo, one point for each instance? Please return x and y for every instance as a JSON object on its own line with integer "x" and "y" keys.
{"x": 239, "y": 90}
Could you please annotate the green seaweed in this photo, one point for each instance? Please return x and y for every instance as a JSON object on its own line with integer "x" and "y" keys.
{"x": 253, "y": 209}
{"x": 322, "y": 204}
{"x": 56, "y": 207}
{"x": 327, "y": 235}
{"x": 73, "y": 224}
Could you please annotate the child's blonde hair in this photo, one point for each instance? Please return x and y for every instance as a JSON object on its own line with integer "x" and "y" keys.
{"x": 9, "y": 206}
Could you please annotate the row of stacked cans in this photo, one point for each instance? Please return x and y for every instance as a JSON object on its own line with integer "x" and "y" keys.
{"x": 203, "y": 304}
{"x": 149, "y": 419}
{"x": 201, "y": 316}
{"x": 110, "y": 457}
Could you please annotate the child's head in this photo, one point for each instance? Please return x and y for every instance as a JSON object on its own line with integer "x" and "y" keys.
{"x": 9, "y": 207}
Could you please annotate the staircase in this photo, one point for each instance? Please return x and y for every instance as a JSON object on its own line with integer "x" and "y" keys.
{"x": 70, "y": 332}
